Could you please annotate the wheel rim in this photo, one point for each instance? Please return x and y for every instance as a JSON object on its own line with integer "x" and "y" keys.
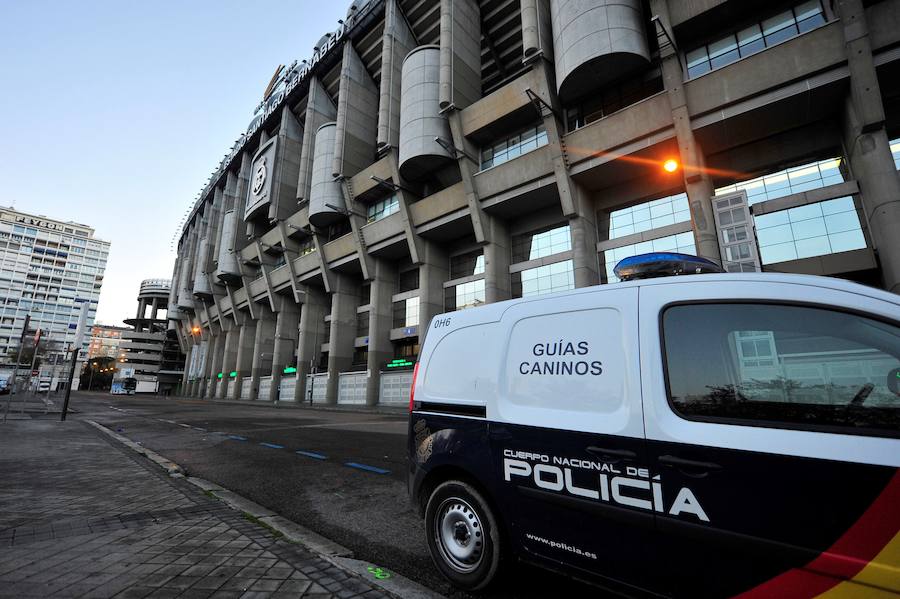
{"x": 458, "y": 533}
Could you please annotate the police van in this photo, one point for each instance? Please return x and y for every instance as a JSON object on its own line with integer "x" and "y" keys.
{"x": 710, "y": 435}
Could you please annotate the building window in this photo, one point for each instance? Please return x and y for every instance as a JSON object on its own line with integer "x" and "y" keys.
{"x": 360, "y": 355}
{"x": 543, "y": 279}
{"x": 408, "y": 280}
{"x": 365, "y": 294}
{"x": 338, "y": 230}
{"x": 513, "y": 146}
{"x": 758, "y": 36}
{"x": 326, "y": 332}
{"x": 817, "y": 229}
{"x": 467, "y": 265}
{"x": 649, "y": 215}
{"x": 798, "y": 366}
{"x": 406, "y": 313}
{"x": 682, "y": 243}
{"x": 895, "y": 152}
{"x": 614, "y": 98}
{"x": 307, "y": 246}
{"x": 464, "y": 295}
{"x": 362, "y": 324}
{"x": 789, "y": 181}
{"x": 407, "y": 348}
{"x": 382, "y": 208}
{"x": 531, "y": 246}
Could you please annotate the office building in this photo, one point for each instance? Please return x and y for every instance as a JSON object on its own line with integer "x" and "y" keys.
{"x": 105, "y": 340}
{"x": 49, "y": 268}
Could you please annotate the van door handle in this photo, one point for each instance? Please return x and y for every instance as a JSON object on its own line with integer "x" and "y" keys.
{"x": 622, "y": 454}
{"x": 700, "y": 468}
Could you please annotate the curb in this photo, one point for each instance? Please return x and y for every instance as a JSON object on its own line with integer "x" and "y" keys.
{"x": 329, "y": 550}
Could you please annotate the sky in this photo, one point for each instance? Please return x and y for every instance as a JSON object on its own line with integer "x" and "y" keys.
{"x": 114, "y": 114}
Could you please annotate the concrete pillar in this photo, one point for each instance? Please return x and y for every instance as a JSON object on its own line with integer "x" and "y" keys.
{"x": 867, "y": 144}
{"x": 384, "y": 285}
{"x": 185, "y": 383}
{"x": 229, "y": 356}
{"x": 496, "y": 262}
{"x": 585, "y": 261}
{"x": 212, "y": 339}
{"x": 263, "y": 344}
{"x": 311, "y": 336}
{"x": 433, "y": 272}
{"x": 244, "y": 358}
{"x": 216, "y": 356}
{"x": 697, "y": 183}
{"x": 155, "y": 308}
{"x": 344, "y": 301}
{"x": 286, "y": 324}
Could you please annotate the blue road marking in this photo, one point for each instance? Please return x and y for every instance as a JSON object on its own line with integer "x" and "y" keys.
{"x": 272, "y": 445}
{"x": 367, "y": 468}
{"x": 237, "y": 437}
{"x": 313, "y": 454}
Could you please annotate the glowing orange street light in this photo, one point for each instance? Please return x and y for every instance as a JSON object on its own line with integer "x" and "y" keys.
{"x": 670, "y": 165}
{"x": 195, "y": 330}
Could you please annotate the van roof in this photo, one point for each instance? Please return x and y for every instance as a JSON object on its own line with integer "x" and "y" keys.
{"x": 493, "y": 312}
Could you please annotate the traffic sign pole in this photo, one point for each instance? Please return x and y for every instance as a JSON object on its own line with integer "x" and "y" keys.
{"x": 76, "y": 348}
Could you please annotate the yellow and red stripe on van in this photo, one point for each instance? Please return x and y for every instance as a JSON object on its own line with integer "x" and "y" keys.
{"x": 864, "y": 562}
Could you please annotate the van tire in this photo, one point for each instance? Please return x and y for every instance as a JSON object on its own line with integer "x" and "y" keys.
{"x": 463, "y": 535}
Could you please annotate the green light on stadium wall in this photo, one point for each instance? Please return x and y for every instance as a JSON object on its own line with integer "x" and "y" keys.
{"x": 399, "y": 363}
{"x": 233, "y": 374}
{"x": 290, "y": 370}
{"x": 218, "y": 376}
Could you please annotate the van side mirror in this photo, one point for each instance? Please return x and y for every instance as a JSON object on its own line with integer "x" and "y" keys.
{"x": 893, "y": 381}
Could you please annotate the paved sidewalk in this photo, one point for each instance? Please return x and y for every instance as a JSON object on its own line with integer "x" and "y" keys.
{"x": 81, "y": 516}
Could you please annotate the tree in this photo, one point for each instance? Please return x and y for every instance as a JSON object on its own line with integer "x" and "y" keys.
{"x": 24, "y": 358}
{"x": 104, "y": 368}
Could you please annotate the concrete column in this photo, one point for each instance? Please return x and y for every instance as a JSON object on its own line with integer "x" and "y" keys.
{"x": 155, "y": 308}
{"x": 344, "y": 301}
{"x": 216, "y": 356}
{"x": 185, "y": 384}
{"x": 433, "y": 271}
{"x": 585, "y": 261}
{"x": 697, "y": 183}
{"x": 496, "y": 262}
{"x": 311, "y": 336}
{"x": 384, "y": 285}
{"x": 867, "y": 144}
{"x": 263, "y": 343}
{"x": 286, "y": 324}
{"x": 244, "y": 358}
{"x": 212, "y": 339}
{"x": 229, "y": 356}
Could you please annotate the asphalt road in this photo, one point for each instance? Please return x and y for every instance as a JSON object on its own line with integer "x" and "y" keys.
{"x": 367, "y": 510}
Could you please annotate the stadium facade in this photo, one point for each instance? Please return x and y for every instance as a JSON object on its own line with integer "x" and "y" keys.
{"x": 432, "y": 155}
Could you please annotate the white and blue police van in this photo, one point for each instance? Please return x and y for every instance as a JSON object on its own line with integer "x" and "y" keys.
{"x": 711, "y": 435}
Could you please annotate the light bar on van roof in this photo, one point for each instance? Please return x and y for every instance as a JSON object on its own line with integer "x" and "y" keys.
{"x": 663, "y": 264}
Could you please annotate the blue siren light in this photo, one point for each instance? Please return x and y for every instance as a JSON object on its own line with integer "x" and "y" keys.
{"x": 663, "y": 264}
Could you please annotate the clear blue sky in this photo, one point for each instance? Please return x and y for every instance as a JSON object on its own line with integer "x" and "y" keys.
{"x": 115, "y": 113}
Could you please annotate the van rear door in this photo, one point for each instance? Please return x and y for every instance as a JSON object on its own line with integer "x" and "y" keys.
{"x": 775, "y": 432}
{"x": 567, "y": 433}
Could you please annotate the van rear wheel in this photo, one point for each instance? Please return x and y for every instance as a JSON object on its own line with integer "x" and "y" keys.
{"x": 463, "y": 536}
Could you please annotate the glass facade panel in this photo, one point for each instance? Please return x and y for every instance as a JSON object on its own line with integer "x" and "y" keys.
{"x": 406, "y": 313}
{"x": 543, "y": 279}
{"x": 683, "y": 243}
{"x": 466, "y": 265}
{"x": 789, "y": 181}
{"x": 513, "y": 146}
{"x": 464, "y": 295}
{"x": 531, "y": 246}
{"x": 382, "y": 209}
{"x": 812, "y": 230}
{"x": 749, "y": 40}
{"x": 649, "y": 215}
{"x": 895, "y": 152}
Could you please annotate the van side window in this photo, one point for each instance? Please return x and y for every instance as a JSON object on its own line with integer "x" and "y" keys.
{"x": 783, "y": 365}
